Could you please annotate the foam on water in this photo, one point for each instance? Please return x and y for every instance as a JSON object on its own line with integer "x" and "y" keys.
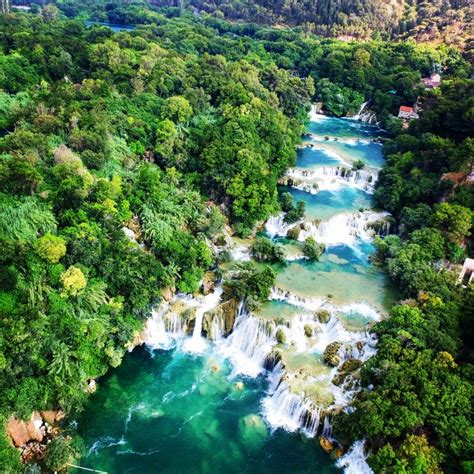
{"x": 355, "y": 460}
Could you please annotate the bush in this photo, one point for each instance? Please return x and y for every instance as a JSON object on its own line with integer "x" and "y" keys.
{"x": 312, "y": 249}
{"x": 264, "y": 250}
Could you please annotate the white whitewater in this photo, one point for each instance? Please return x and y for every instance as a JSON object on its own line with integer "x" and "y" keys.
{"x": 284, "y": 409}
{"x": 355, "y": 460}
{"x": 332, "y": 178}
{"x": 362, "y": 107}
{"x": 344, "y": 228}
{"x": 196, "y": 344}
{"x": 249, "y": 344}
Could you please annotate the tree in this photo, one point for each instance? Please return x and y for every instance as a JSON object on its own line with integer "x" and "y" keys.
{"x": 73, "y": 280}
{"x": 178, "y": 109}
{"x": 453, "y": 220}
{"x": 264, "y": 250}
{"x": 51, "y": 247}
{"x": 312, "y": 249}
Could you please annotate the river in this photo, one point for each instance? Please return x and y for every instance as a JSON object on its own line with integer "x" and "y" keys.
{"x": 186, "y": 404}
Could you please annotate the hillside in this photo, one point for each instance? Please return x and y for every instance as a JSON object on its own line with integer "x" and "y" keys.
{"x": 448, "y": 21}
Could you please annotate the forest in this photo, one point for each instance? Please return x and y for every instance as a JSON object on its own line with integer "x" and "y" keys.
{"x": 184, "y": 125}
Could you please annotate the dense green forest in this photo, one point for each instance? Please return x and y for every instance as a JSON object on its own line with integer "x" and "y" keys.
{"x": 187, "y": 123}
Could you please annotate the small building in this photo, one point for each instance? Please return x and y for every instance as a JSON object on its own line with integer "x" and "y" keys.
{"x": 407, "y": 113}
{"x": 433, "y": 81}
{"x": 467, "y": 273}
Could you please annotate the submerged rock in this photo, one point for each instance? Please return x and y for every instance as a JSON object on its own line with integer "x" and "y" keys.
{"x": 253, "y": 431}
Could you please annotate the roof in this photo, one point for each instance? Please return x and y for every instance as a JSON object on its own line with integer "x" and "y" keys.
{"x": 404, "y": 108}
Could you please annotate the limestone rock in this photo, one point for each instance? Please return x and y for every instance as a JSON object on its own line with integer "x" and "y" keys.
{"x": 167, "y": 293}
{"x": 308, "y": 330}
{"x": 51, "y": 417}
{"x": 23, "y": 431}
{"x": 323, "y": 315}
{"x": 348, "y": 367}
{"x": 229, "y": 309}
{"x": 209, "y": 282}
{"x": 331, "y": 354}
{"x": 281, "y": 336}
{"x": 326, "y": 444}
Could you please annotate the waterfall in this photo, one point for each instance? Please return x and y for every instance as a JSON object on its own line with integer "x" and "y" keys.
{"x": 327, "y": 429}
{"x": 276, "y": 226}
{"x": 342, "y": 229}
{"x": 196, "y": 343}
{"x": 287, "y": 410}
{"x": 217, "y": 329}
{"x": 250, "y": 343}
{"x": 310, "y": 304}
{"x": 331, "y": 178}
{"x": 368, "y": 117}
{"x": 355, "y": 460}
{"x": 154, "y": 333}
{"x": 362, "y": 107}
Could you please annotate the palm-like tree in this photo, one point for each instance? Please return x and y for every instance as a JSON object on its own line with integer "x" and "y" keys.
{"x": 62, "y": 364}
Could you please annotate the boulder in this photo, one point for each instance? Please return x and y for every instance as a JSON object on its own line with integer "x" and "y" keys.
{"x": 308, "y": 330}
{"x": 51, "y": 416}
{"x": 21, "y": 432}
{"x": 209, "y": 282}
{"x": 281, "y": 336}
{"x": 323, "y": 315}
{"x": 326, "y": 444}
{"x": 348, "y": 367}
{"x": 331, "y": 354}
{"x": 293, "y": 233}
{"x": 167, "y": 293}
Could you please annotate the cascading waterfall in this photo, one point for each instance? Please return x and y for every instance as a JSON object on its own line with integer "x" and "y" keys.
{"x": 355, "y": 460}
{"x": 362, "y": 107}
{"x": 249, "y": 344}
{"x": 196, "y": 343}
{"x": 331, "y": 178}
{"x": 368, "y": 117}
{"x": 341, "y": 229}
{"x": 284, "y": 409}
{"x": 254, "y": 340}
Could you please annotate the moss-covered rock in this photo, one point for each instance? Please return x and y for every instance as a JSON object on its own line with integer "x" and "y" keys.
{"x": 281, "y": 336}
{"x": 331, "y": 354}
{"x": 349, "y": 366}
{"x": 323, "y": 315}
{"x": 294, "y": 233}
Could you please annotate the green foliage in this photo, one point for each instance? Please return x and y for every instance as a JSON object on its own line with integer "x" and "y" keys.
{"x": 312, "y": 249}
{"x": 264, "y": 250}
{"x": 251, "y": 283}
{"x": 51, "y": 247}
{"x": 295, "y": 213}
{"x": 58, "y": 454}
